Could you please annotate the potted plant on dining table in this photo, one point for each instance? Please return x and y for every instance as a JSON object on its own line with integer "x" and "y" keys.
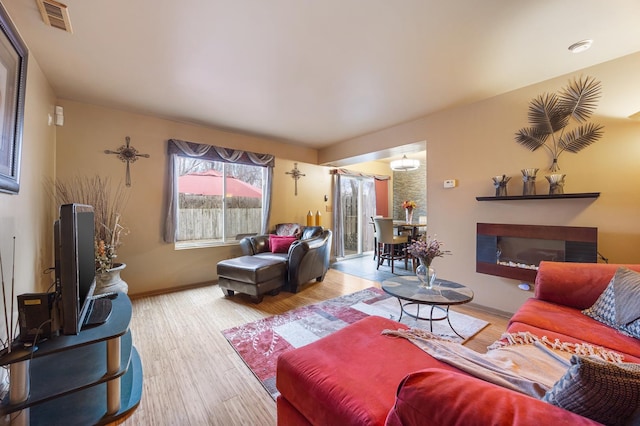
{"x": 425, "y": 250}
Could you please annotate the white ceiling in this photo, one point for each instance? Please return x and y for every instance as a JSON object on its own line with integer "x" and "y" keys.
{"x": 315, "y": 72}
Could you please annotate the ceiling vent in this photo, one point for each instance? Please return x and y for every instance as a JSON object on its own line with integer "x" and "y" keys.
{"x": 55, "y": 14}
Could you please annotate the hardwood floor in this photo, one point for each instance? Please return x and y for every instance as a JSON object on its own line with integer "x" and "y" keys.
{"x": 192, "y": 376}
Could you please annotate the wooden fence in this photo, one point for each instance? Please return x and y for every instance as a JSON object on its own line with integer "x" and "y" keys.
{"x": 207, "y": 224}
{"x": 350, "y": 227}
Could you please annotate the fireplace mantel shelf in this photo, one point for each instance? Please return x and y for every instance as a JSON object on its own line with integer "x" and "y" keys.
{"x": 540, "y": 197}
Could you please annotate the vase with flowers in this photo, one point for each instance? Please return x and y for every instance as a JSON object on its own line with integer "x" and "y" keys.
{"x": 425, "y": 250}
{"x": 409, "y": 206}
{"x": 108, "y": 202}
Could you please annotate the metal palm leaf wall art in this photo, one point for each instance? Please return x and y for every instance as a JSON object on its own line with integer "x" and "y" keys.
{"x": 551, "y": 114}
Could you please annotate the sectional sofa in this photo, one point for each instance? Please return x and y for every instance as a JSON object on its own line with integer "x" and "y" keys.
{"x": 360, "y": 376}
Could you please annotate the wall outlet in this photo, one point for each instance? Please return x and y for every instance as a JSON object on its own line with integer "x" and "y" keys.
{"x": 450, "y": 183}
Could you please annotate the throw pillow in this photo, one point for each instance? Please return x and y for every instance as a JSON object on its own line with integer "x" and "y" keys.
{"x": 288, "y": 229}
{"x": 280, "y": 243}
{"x": 603, "y": 391}
{"x": 617, "y": 306}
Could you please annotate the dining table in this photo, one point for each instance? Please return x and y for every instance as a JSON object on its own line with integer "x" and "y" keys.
{"x": 414, "y": 228}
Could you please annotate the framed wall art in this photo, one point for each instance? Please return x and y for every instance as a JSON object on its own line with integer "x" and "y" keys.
{"x": 13, "y": 75}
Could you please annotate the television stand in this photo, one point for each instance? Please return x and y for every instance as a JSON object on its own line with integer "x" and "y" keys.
{"x": 69, "y": 379}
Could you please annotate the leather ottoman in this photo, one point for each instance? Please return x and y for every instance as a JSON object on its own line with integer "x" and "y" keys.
{"x": 252, "y": 275}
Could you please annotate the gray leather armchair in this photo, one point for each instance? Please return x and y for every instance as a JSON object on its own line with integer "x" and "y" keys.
{"x": 307, "y": 258}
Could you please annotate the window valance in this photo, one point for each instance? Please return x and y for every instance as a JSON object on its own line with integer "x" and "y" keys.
{"x": 216, "y": 153}
{"x": 346, "y": 172}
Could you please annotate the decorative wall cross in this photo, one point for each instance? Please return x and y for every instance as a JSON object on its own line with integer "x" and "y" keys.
{"x": 127, "y": 154}
{"x": 295, "y": 174}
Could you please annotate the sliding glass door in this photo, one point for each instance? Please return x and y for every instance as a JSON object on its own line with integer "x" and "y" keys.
{"x": 358, "y": 203}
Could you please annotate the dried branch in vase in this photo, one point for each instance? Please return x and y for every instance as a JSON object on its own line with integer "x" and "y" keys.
{"x": 108, "y": 201}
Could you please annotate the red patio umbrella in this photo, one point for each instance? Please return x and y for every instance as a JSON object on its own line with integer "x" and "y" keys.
{"x": 210, "y": 183}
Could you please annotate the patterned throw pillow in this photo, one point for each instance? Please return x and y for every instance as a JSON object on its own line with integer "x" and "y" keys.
{"x": 618, "y": 305}
{"x": 603, "y": 391}
{"x": 288, "y": 229}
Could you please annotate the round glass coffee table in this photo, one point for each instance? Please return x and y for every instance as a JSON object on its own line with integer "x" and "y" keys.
{"x": 409, "y": 291}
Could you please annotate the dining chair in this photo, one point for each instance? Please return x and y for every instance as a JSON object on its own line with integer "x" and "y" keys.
{"x": 389, "y": 246}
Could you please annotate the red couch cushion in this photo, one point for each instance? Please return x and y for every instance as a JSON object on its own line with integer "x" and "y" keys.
{"x": 499, "y": 406}
{"x": 572, "y": 325}
{"x": 350, "y": 377}
{"x": 577, "y": 285}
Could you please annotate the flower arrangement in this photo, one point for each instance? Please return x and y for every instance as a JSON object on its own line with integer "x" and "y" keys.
{"x": 105, "y": 249}
{"x": 409, "y": 204}
{"x": 107, "y": 206}
{"x": 426, "y": 250}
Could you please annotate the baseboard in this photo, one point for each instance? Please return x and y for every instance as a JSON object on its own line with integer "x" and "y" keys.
{"x": 491, "y": 311}
{"x": 171, "y": 290}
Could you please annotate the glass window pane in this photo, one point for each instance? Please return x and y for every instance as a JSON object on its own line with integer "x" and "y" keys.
{"x": 218, "y": 201}
{"x": 243, "y": 200}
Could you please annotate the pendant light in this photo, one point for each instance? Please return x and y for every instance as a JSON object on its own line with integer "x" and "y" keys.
{"x": 404, "y": 164}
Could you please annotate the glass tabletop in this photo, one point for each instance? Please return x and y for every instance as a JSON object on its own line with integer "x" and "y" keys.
{"x": 443, "y": 292}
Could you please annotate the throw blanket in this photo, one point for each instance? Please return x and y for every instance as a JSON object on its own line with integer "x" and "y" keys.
{"x": 522, "y": 362}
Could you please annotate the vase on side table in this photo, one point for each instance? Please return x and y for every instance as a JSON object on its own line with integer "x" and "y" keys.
{"x": 110, "y": 280}
{"x": 426, "y": 274}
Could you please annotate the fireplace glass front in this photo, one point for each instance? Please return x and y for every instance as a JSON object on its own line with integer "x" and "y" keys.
{"x": 515, "y": 251}
{"x": 528, "y": 252}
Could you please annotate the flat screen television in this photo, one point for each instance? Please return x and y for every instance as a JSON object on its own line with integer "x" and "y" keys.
{"x": 74, "y": 264}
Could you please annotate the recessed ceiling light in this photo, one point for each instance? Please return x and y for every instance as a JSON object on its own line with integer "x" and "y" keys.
{"x": 581, "y": 46}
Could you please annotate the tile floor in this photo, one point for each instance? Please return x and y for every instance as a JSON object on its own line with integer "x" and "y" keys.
{"x": 365, "y": 267}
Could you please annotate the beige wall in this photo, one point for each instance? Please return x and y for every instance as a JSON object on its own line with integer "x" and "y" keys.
{"x": 312, "y": 188}
{"x": 475, "y": 142}
{"x": 28, "y": 216}
{"x": 153, "y": 265}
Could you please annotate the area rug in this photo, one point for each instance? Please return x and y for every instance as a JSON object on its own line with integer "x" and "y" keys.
{"x": 259, "y": 343}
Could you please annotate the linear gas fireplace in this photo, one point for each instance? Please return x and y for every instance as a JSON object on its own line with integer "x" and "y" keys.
{"x": 515, "y": 251}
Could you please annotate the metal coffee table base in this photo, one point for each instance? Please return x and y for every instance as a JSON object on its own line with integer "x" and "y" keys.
{"x": 444, "y": 293}
{"x": 431, "y": 319}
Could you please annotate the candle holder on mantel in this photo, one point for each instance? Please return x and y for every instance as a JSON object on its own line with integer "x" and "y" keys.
{"x": 556, "y": 184}
{"x": 500, "y": 183}
{"x": 529, "y": 181}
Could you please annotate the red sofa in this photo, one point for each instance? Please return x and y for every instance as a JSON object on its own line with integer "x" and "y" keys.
{"x": 357, "y": 376}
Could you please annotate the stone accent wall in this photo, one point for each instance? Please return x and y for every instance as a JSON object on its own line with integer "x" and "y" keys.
{"x": 411, "y": 185}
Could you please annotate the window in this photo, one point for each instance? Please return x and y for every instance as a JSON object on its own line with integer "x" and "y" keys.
{"x": 218, "y": 202}
{"x": 216, "y": 195}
